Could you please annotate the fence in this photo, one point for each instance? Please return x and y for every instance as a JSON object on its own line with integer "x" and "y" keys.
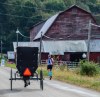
{"x": 69, "y": 64}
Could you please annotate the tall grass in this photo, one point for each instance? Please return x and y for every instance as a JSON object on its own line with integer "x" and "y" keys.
{"x": 71, "y": 76}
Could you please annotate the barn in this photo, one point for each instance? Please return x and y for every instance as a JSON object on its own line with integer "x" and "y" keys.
{"x": 66, "y": 34}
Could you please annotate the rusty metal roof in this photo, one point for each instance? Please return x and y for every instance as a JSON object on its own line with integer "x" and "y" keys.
{"x": 61, "y": 46}
{"x": 95, "y": 45}
{"x": 25, "y": 44}
{"x": 56, "y": 47}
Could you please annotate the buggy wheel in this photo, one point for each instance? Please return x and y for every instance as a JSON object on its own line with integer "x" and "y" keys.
{"x": 37, "y": 77}
{"x": 41, "y": 79}
{"x": 11, "y": 80}
{"x": 15, "y": 76}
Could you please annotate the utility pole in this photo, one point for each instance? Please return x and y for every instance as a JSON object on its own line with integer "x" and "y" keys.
{"x": 1, "y": 40}
{"x": 88, "y": 42}
{"x": 17, "y": 32}
{"x": 40, "y": 47}
{"x": 1, "y": 49}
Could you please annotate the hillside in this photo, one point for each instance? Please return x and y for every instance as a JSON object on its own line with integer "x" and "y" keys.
{"x": 23, "y": 14}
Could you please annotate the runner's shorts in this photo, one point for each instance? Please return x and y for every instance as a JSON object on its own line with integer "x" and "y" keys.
{"x": 49, "y": 67}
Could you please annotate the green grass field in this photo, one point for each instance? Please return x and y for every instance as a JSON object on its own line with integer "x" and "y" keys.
{"x": 10, "y": 65}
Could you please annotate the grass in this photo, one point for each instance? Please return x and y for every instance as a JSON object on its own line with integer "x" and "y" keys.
{"x": 10, "y": 65}
{"x": 71, "y": 76}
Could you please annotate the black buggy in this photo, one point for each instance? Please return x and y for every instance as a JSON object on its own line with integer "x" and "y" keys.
{"x": 27, "y": 64}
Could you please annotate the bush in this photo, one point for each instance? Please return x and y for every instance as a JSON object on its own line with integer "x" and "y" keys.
{"x": 88, "y": 68}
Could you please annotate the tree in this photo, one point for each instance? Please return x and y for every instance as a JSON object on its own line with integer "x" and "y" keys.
{"x": 25, "y": 13}
{"x": 83, "y": 5}
{"x": 3, "y": 20}
{"x": 55, "y": 6}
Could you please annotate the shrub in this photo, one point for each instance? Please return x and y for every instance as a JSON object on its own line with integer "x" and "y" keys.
{"x": 88, "y": 68}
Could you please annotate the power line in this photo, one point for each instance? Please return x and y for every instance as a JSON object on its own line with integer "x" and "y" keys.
{"x": 26, "y": 6}
{"x": 24, "y": 35}
{"x": 15, "y": 15}
{"x": 95, "y": 25}
{"x": 16, "y": 5}
{"x": 22, "y": 6}
{"x": 58, "y": 38}
{"x": 49, "y": 37}
{"x": 18, "y": 16}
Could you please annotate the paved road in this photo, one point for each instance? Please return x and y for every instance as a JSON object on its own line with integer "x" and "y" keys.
{"x": 52, "y": 88}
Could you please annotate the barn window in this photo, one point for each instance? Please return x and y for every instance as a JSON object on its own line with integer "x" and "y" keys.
{"x": 74, "y": 12}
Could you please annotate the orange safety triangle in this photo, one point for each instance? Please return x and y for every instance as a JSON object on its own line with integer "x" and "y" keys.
{"x": 27, "y": 72}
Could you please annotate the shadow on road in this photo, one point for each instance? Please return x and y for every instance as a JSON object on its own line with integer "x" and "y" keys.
{"x": 8, "y": 91}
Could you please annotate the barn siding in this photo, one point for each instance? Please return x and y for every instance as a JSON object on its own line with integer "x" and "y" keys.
{"x": 95, "y": 56}
{"x": 44, "y": 56}
{"x": 70, "y": 25}
{"x": 35, "y": 30}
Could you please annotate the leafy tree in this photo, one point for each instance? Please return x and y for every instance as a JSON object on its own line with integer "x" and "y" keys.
{"x": 25, "y": 13}
{"x": 55, "y": 5}
{"x": 3, "y": 20}
{"x": 69, "y": 2}
{"x": 83, "y": 5}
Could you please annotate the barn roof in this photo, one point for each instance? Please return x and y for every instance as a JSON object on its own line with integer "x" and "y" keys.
{"x": 46, "y": 26}
{"x": 56, "y": 47}
{"x": 51, "y": 20}
{"x": 59, "y": 47}
{"x": 25, "y": 44}
{"x": 94, "y": 45}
